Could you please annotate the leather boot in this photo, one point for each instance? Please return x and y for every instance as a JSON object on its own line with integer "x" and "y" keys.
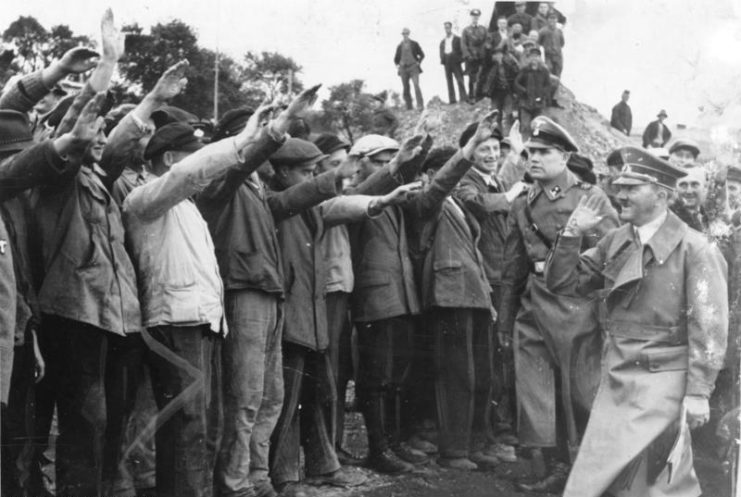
{"x": 554, "y": 481}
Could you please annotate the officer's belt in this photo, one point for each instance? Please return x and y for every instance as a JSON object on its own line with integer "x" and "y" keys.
{"x": 535, "y": 229}
{"x": 675, "y": 335}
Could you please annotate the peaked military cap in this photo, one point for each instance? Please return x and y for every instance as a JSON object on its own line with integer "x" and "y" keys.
{"x": 475, "y": 12}
{"x": 685, "y": 144}
{"x": 640, "y": 167}
{"x": 296, "y": 152}
{"x": 15, "y": 131}
{"x": 174, "y": 136}
{"x": 544, "y": 133}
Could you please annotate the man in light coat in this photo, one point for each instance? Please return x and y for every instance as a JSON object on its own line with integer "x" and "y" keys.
{"x": 663, "y": 297}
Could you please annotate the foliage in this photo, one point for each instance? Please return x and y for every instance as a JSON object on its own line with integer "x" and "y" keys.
{"x": 351, "y": 112}
{"x": 267, "y": 74}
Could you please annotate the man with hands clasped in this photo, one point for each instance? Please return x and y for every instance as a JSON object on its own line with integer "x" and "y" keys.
{"x": 663, "y": 298}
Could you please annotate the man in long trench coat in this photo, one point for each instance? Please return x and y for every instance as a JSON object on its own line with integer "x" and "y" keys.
{"x": 662, "y": 291}
{"x": 556, "y": 341}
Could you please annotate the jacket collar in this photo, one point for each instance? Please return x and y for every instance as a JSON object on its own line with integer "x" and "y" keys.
{"x": 667, "y": 237}
{"x": 565, "y": 181}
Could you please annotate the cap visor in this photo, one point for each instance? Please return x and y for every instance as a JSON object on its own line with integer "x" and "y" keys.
{"x": 629, "y": 181}
{"x": 537, "y": 144}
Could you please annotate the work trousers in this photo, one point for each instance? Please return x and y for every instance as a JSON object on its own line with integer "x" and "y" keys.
{"x": 503, "y": 101}
{"x": 475, "y": 72}
{"x": 421, "y": 391}
{"x": 340, "y": 356}
{"x": 453, "y": 70}
{"x": 554, "y": 61}
{"x": 186, "y": 380}
{"x": 407, "y": 73}
{"x": 503, "y": 391}
{"x": 463, "y": 367}
{"x": 76, "y": 371}
{"x": 385, "y": 351}
{"x": 309, "y": 405}
{"x": 125, "y": 358}
{"x": 253, "y": 389}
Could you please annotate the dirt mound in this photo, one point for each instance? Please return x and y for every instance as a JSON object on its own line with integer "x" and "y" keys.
{"x": 591, "y": 130}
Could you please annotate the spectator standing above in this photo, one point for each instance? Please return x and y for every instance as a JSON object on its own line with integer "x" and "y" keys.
{"x": 733, "y": 185}
{"x": 408, "y": 60}
{"x": 541, "y": 18}
{"x": 451, "y": 57}
{"x": 533, "y": 84}
{"x": 622, "y": 116}
{"x": 683, "y": 153}
{"x": 473, "y": 46}
{"x": 663, "y": 292}
{"x": 500, "y": 87}
{"x": 520, "y": 17}
{"x": 657, "y": 134}
{"x": 551, "y": 38}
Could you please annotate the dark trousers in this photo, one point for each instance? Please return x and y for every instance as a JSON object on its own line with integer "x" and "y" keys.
{"x": 186, "y": 380}
{"x": 453, "y": 70}
{"x": 554, "y": 61}
{"x": 421, "y": 392}
{"x": 76, "y": 372}
{"x": 309, "y": 405}
{"x": 385, "y": 350}
{"x": 504, "y": 396}
{"x": 17, "y": 422}
{"x": 123, "y": 365}
{"x": 408, "y": 73}
{"x": 463, "y": 364}
{"x": 503, "y": 101}
{"x": 474, "y": 70}
{"x": 340, "y": 354}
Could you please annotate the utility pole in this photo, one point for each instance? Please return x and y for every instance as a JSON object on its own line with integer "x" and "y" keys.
{"x": 216, "y": 87}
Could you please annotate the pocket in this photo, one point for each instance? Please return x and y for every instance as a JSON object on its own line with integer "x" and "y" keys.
{"x": 181, "y": 303}
{"x": 372, "y": 278}
{"x": 449, "y": 283}
{"x": 675, "y": 359}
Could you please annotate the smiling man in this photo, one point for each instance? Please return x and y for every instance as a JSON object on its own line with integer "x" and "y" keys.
{"x": 692, "y": 192}
{"x": 662, "y": 290}
{"x": 556, "y": 339}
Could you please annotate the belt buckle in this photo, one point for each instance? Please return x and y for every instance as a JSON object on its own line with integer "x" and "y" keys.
{"x": 539, "y": 267}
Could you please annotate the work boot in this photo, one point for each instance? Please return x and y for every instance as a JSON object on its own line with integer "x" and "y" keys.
{"x": 501, "y": 451}
{"x": 410, "y": 455}
{"x": 459, "y": 463}
{"x": 554, "y": 482}
{"x": 338, "y": 478}
{"x": 388, "y": 462}
{"x": 347, "y": 459}
{"x": 482, "y": 459}
{"x": 422, "y": 445}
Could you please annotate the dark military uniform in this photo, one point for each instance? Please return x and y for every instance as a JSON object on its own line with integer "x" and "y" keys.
{"x": 555, "y": 337}
{"x": 473, "y": 46}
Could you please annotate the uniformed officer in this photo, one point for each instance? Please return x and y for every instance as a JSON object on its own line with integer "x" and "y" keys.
{"x": 556, "y": 343}
{"x": 662, "y": 291}
{"x": 473, "y": 41}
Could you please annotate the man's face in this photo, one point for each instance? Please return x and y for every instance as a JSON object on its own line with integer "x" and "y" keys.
{"x": 638, "y": 203}
{"x": 546, "y": 163}
{"x": 291, "y": 176}
{"x": 486, "y": 156}
{"x": 502, "y": 24}
{"x": 371, "y": 164}
{"x": 691, "y": 188}
{"x": 543, "y": 8}
{"x": 626, "y": 96}
{"x": 520, "y": 8}
{"x": 533, "y": 59}
{"x": 682, "y": 158}
{"x": 94, "y": 151}
{"x": 734, "y": 194}
{"x": 533, "y": 36}
{"x": 331, "y": 162}
{"x": 552, "y": 21}
{"x": 517, "y": 28}
{"x": 448, "y": 28}
{"x": 474, "y": 20}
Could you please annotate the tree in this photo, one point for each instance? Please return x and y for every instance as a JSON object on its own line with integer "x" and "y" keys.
{"x": 28, "y": 38}
{"x": 268, "y": 74}
{"x": 350, "y": 111}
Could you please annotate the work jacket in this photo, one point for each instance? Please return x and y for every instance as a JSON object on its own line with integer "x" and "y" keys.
{"x": 664, "y": 311}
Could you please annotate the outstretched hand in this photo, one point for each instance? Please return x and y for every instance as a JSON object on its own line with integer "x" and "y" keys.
{"x": 410, "y": 148}
{"x": 296, "y": 109}
{"x": 171, "y": 83}
{"x": 112, "y": 38}
{"x": 401, "y": 193}
{"x": 78, "y": 60}
{"x": 483, "y": 132}
{"x": 86, "y": 127}
{"x": 254, "y": 125}
{"x": 586, "y": 216}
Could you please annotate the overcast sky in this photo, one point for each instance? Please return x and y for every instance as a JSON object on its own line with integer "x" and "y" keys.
{"x": 672, "y": 54}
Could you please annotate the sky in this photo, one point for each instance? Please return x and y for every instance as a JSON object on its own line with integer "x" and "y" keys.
{"x": 672, "y": 54}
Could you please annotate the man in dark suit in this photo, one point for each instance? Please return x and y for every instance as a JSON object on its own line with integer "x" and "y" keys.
{"x": 408, "y": 58}
{"x": 657, "y": 133}
{"x": 451, "y": 57}
{"x": 622, "y": 116}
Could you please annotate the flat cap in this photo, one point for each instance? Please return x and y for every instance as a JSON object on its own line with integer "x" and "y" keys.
{"x": 734, "y": 174}
{"x": 15, "y": 131}
{"x": 328, "y": 143}
{"x": 174, "y": 136}
{"x": 547, "y": 134}
{"x": 685, "y": 144}
{"x": 370, "y": 145}
{"x": 470, "y": 130}
{"x": 232, "y": 123}
{"x": 475, "y": 12}
{"x": 641, "y": 167}
{"x": 170, "y": 114}
{"x": 296, "y": 152}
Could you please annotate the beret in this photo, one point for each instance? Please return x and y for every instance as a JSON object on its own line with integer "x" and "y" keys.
{"x": 174, "y": 136}
{"x": 470, "y": 130}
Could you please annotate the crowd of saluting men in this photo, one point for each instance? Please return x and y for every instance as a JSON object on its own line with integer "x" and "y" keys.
{"x": 502, "y": 295}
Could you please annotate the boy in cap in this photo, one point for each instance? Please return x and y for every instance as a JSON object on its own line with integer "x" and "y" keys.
{"x": 408, "y": 59}
{"x": 473, "y": 41}
{"x": 683, "y": 153}
{"x": 500, "y": 86}
{"x": 657, "y": 133}
{"x": 556, "y": 339}
{"x": 307, "y": 372}
{"x": 663, "y": 290}
{"x": 533, "y": 84}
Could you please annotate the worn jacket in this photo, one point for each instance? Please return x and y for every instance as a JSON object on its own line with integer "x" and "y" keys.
{"x": 336, "y": 250}
{"x": 534, "y": 86}
{"x": 622, "y": 117}
{"x": 456, "y": 56}
{"x": 488, "y": 204}
{"x": 664, "y": 310}
{"x": 241, "y": 215}
{"x": 650, "y": 135}
{"x": 417, "y": 53}
{"x": 306, "y": 268}
{"x": 88, "y": 275}
{"x": 179, "y": 281}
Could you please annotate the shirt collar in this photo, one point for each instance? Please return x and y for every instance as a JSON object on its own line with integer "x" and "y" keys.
{"x": 488, "y": 178}
{"x": 648, "y": 230}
